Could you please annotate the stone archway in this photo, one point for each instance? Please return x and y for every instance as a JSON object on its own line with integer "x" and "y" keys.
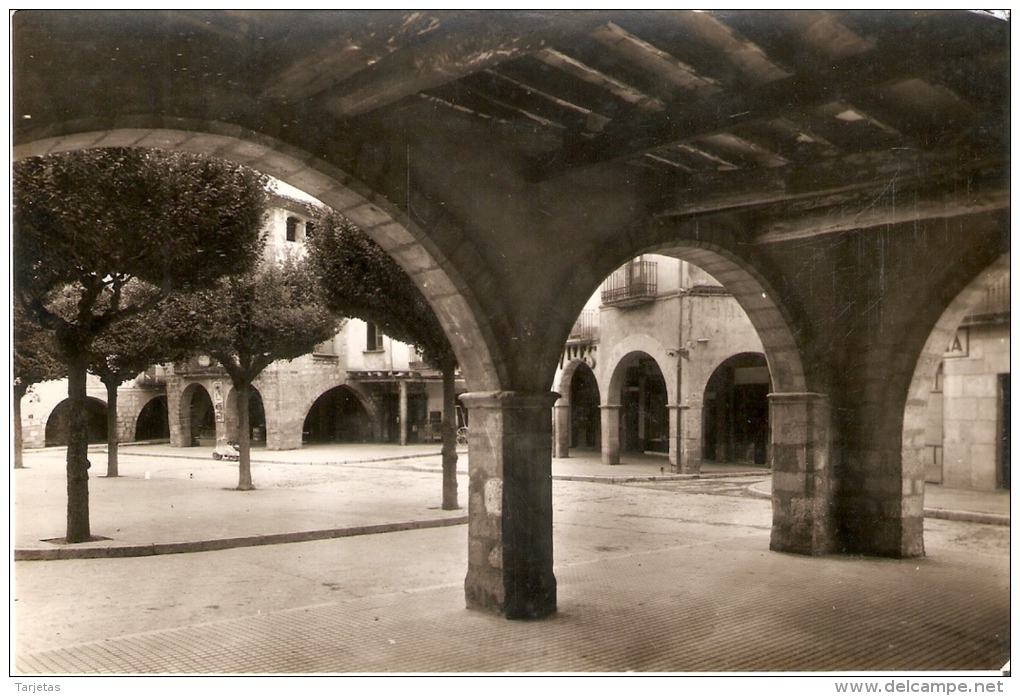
{"x": 256, "y": 415}
{"x": 197, "y": 417}
{"x": 736, "y": 411}
{"x": 153, "y": 422}
{"x": 638, "y": 384}
{"x": 339, "y": 415}
{"x": 576, "y": 419}
{"x": 57, "y": 423}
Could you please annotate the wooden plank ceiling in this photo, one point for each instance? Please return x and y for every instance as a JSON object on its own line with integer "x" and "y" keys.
{"x": 716, "y": 99}
{"x": 737, "y": 107}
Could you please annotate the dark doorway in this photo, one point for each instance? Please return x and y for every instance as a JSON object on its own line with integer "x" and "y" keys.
{"x": 153, "y": 422}
{"x": 202, "y": 418}
{"x": 645, "y": 425}
{"x": 417, "y": 414}
{"x": 735, "y": 425}
{"x": 585, "y": 418}
{"x": 256, "y": 416}
{"x": 337, "y": 416}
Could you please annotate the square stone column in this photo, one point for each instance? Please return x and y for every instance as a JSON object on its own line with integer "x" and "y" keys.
{"x": 610, "y": 415}
{"x": 802, "y": 486}
{"x": 561, "y": 429}
{"x": 510, "y": 546}
{"x": 690, "y": 429}
{"x": 680, "y": 459}
{"x": 402, "y": 413}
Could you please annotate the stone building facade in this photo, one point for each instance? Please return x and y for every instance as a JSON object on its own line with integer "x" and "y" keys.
{"x": 663, "y": 360}
{"x": 360, "y": 386}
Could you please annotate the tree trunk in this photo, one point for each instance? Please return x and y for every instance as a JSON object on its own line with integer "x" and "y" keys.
{"x": 449, "y": 429}
{"x": 112, "y": 436}
{"x": 244, "y": 482}
{"x": 77, "y": 452}
{"x": 19, "y": 392}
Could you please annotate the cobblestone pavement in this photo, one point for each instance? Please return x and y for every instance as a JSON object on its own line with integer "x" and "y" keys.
{"x": 671, "y": 577}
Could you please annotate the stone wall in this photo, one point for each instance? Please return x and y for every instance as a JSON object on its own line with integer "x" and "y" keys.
{"x": 972, "y": 410}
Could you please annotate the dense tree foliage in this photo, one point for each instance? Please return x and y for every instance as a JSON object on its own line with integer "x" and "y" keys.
{"x": 248, "y": 322}
{"x": 35, "y": 361}
{"x": 126, "y": 349}
{"x": 359, "y": 279}
{"x": 88, "y": 225}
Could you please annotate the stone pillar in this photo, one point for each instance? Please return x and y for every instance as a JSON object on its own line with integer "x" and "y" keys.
{"x": 610, "y": 433}
{"x": 690, "y": 419}
{"x": 510, "y": 551}
{"x": 403, "y": 412}
{"x": 180, "y": 428}
{"x": 802, "y": 485}
{"x": 680, "y": 460}
{"x": 561, "y": 429}
{"x": 225, "y": 407}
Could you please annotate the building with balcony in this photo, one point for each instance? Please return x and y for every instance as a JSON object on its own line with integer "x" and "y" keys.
{"x": 663, "y": 360}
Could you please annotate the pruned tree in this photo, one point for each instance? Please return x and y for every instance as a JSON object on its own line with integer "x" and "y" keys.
{"x": 89, "y": 224}
{"x": 126, "y": 349}
{"x": 249, "y": 322}
{"x": 35, "y": 361}
{"x": 360, "y": 279}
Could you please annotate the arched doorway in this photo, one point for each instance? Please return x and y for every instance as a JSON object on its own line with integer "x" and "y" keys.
{"x": 198, "y": 419}
{"x": 337, "y": 416}
{"x": 153, "y": 420}
{"x": 644, "y": 424}
{"x": 736, "y": 411}
{"x": 256, "y": 416}
{"x": 585, "y": 421}
{"x": 57, "y": 423}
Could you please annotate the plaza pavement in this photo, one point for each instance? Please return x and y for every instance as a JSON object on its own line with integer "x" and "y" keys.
{"x": 781, "y": 612}
{"x": 209, "y": 517}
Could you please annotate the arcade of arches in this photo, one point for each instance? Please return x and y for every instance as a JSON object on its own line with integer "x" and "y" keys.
{"x": 840, "y": 177}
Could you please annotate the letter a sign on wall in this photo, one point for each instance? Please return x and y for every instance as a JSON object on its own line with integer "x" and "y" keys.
{"x": 959, "y": 344}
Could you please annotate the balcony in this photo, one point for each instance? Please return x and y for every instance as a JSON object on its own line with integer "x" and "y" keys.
{"x": 634, "y": 284}
{"x": 586, "y": 328}
{"x": 993, "y": 307}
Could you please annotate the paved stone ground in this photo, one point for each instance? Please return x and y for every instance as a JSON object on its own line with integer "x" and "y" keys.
{"x": 673, "y": 578}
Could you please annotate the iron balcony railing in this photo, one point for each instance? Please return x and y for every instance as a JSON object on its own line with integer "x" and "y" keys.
{"x": 992, "y": 305}
{"x": 586, "y": 328}
{"x": 634, "y": 284}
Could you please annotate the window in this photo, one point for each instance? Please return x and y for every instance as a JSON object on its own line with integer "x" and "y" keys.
{"x": 309, "y": 229}
{"x": 325, "y": 348}
{"x": 292, "y": 229}
{"x": 375, "y": 337}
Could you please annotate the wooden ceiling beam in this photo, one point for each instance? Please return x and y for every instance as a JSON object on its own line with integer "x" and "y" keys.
{"x": 838, "y": 81}
{"x": 828, "y": 184}
{"x": 448, "y": 52}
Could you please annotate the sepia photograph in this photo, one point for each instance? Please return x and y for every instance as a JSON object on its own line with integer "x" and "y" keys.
{"x": 671, "y": 345}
